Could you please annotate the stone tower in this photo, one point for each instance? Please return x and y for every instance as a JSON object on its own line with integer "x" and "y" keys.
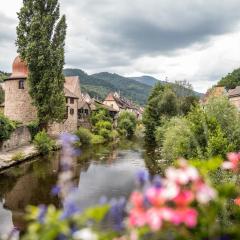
{"x": 18, "y": 103}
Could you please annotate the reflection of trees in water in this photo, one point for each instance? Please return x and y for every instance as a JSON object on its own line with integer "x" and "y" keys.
{"x": 154, "y": 162}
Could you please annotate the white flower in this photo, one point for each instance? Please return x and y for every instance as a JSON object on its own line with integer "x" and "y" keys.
{"x": 85, "y": 234}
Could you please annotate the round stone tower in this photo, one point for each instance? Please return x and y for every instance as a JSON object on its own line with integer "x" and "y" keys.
{"x": 18, "y": 103}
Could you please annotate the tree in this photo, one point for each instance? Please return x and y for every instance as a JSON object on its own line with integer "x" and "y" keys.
{"x": 127, "y": 123}
{"x": 232, "y": 80}
{"x": 40, "y": 42}
{"x": 162, "y": 103}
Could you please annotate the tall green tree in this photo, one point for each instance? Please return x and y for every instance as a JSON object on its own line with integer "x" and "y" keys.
{"x": 40, "y": 40}
{"x": 162, "y": 104}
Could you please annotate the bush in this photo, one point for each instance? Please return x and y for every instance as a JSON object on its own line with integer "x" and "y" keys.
{"x": 33, "y": 128}
{"x": 18, "y": 156}
{"x": 43, "y": 142}
{"x": 97, "y": 139}
{"x": 105, "y": 133}
{"x": 6, "y": 127}
{"x": 127, "y": 123}
{"x": 84, "y": 136}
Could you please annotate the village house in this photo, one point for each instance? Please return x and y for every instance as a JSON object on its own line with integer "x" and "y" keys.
{"x": 234, "y": 97}
{"x": 118, "y": 103}
{"x": 18, "y": 103}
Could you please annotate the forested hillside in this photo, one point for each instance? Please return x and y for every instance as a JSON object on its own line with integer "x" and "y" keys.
{"x": 3, "y": 75}
{"x": 99, "y": 85}
{"x": 137, "y": 89}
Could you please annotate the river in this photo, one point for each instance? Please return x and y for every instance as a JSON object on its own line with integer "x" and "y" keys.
{"x": 99, "y": 171}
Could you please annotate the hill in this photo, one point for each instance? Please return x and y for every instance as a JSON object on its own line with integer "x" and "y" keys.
{"x": 148, "y": 80}
{"x": 136, "y": 89}
{"x": 3, "y": 75}
{"x": 100, "y": 84}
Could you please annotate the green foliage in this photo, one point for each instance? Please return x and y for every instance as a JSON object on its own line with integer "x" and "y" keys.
{"x": 6, "y": 127}
{"x": 84, "y": 135}
{"x": 162, "y": 103}
{"x": 127, "y": 123}
{"x": 33, "y": 128}
{"x": 100, "y": 114}
{"x": 232, "y": 80}
{"x": 18, "y": 156}
{"x": 175, "y": 138}
{"x": 52, "y": 227}
{"x": 43, "y": 142}
{"x": 97, "y": 139}
{"x": 203, "y": 133}
{"x": 3, "y": 75}
{"x": 40, "y": 41}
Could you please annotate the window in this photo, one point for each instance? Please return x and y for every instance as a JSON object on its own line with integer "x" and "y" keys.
{"x": 21, "y": 84}
{"x": 72, "y": 100}
{"x": 86, "y": 111}
{"x": 66, "y": 114}
{"x": 71, "y": 111}
{"x": 66, "y": 100}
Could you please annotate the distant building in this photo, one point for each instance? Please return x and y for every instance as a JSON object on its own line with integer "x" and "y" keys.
{"x": 18, "y": 103}
{"x": 115, "y": 101}
{"x": 234, "y": 96}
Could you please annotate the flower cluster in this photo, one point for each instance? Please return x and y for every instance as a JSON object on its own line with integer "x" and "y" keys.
{"x": 233, "y": 162}
{"x": 170, "y": 199}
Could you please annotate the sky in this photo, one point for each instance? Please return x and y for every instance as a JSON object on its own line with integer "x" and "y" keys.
{"x": 193, "y": 40}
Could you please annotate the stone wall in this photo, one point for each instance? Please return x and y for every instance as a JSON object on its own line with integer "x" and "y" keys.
{"x": 70, "y": 124}
{"x": 20, "y": 137}
{"x": 235, "y": 101}
{"x": 18, "y": 103}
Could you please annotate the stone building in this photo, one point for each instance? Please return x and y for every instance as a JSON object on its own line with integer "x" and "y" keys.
{"x": 18, "y": 102}
{"x": 119, "y": 103}
{"x": 234, "y": 97}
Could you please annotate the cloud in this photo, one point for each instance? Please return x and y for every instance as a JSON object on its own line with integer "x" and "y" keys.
{"x": 157, "y": 37}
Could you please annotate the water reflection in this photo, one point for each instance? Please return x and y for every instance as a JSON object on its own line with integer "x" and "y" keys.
{"x": 102, "y": 171}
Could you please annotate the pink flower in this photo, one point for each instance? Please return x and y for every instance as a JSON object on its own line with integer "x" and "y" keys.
{"x": 205, "y": 193}
{"x": 184, "y": 198}
{"x": 233, "y": 163}
{"x": 167, "y": 213}
{"x": 187, "y": 216}
{"x": 155, "y": 196}
{"x": 237, "y": 201}
{"x": 137, "y": 217}
{"x": 137, "y": 199}
{"x": 190, "y": 217}
{"x": 170, "y": 189}
{"x": 154, "y": 219}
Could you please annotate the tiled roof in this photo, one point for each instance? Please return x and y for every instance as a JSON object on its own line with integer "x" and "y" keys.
{"x": 67, "y": 93}
{"x": 71, "y": 83}
{"x": 234, "y": 92}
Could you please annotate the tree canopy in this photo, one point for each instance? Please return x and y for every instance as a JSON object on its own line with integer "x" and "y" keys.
{"x": 232, "y": 80}
{"x": 40, "y": 41}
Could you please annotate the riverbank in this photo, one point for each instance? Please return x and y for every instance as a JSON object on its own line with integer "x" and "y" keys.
{"x": 19, "y": 155}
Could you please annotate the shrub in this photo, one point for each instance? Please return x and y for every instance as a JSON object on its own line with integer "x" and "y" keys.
{"x": 114, "y": 134}
{"x": 84, "y": 136}
{"x": 97, "y": 139}
{"x": 33, "y": 128}
{"x": 103, "y": 124}
{"x": 6, "y": 127}
{"x": 18, "y": 156}
{"x": 105, "y": 133}
{"x": 127, "y": 123}
{"x": 43, "y": 142}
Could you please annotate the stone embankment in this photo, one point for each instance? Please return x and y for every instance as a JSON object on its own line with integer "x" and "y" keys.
{"x": 28, "y": 152}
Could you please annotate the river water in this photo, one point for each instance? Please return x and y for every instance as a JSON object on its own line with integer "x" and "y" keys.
{"x": 100, "y": 171}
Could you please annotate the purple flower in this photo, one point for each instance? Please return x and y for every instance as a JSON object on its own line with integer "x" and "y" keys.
{"x": 69, "y": 209}
{"x": 117, "y": 213}
{"x": 142, "y": 177}
{"x": 157, "y": 181}
{"x": 42, "y": 213}
{"x": 55, "y": 190}
{"x": 67, "y": 138}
